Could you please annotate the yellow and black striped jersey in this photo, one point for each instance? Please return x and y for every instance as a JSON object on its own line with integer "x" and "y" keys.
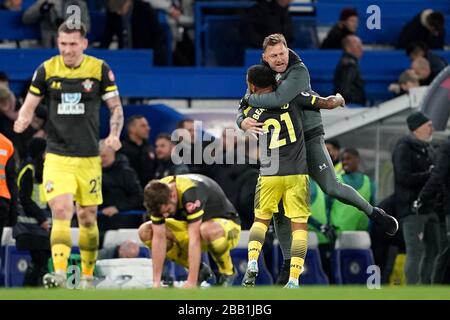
{"x": 73, "y": 97}
{"x": 282, "y": 147}
{"x": 199, "y": 198}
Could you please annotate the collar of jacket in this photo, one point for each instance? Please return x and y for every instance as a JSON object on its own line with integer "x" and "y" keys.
{"x": 412, "y": 140}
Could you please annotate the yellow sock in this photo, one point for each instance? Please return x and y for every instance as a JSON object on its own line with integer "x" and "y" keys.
{"x": 88, "y": 243}
{"x": 256, "y": 239}
{"x": 221, "y": 255}
{"x": 61, "y": 243}
{"x": 298, "y": 253}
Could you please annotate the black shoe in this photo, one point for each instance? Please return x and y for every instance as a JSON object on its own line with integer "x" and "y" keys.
{"x": 226, "y": 280}
{"x": 205, "y": 274}
{"x": 283, "y": 276}
{"x": 388, "y": 223}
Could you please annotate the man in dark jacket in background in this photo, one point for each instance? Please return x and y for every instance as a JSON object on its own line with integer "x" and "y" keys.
{"x": 438, "y": 182}
{"x": 347, "y": 76}
{"x": 347, "y": 25}
{"x": 136, "y": 148}
{"x": 165, "y": 166}
{"x": 413, "y": 161}
{"x": 121, "y": 192}
{"x": 267, "y": 17}
{"x": 32, "y": 231}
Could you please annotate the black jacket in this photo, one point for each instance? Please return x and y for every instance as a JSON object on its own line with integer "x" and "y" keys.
{"x": 266, "y": 18}
{"x": 26, "y": 186}
{"x": 141, "y": 159}
{"x": 120, "y": 187}
{"x": 348, "y": 80}
{"x": 439, "y": 180}
{"x": 414, "y": 31}
{"x": 412, "y": 160}
{"x": 334, "y": 37}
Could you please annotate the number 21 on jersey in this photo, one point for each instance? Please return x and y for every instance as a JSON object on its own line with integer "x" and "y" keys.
{"x": 275, "y": 141}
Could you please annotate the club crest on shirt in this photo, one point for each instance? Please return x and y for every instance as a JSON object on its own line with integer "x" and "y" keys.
{"x": 87, "y": 85}
{"x": 192, "y": 206}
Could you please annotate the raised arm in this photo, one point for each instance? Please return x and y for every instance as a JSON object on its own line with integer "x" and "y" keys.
{"x": 297, "y": 81}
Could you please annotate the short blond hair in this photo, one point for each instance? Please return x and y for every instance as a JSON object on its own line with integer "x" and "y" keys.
{"x": 274, "y": 39}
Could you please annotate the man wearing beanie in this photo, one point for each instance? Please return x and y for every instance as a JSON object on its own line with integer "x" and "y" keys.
{"x": 347, "y": 25}
{"x": 413, "y": 161}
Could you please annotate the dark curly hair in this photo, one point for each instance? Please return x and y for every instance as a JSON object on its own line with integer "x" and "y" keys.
{"x": 156, "y": 193}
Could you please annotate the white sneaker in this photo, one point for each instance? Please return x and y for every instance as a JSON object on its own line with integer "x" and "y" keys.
{"x": 87, "y": 283}
{"x": 54, "y": 280}
{"x": 250, "y": 274}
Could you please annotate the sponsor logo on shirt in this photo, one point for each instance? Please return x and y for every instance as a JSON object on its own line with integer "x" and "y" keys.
{"x": 70, "y": 104}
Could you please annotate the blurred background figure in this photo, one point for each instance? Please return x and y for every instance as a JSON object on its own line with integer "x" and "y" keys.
{"x": 135, "y": 24}
{"x": 420, "y": 49}
{"x": 413, "y": 161}
{"x": 12, "y": 5}
{"x": 32, "y": 231}
{"x": 427, "y": 27}
{"x": 51, "y": 14}
{"x": 137, "y": 149}
{"x": 165, "y": 167}
{"x": 347, "y": 25}
{"x": 127, "y": 249}
{"x": 121, "y": 192}
{"x": 348, "y": 78}
{"x": 264, "y": 18}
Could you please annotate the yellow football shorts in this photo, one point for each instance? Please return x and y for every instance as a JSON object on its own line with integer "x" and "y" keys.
{"x": 293, "y": 190}
{"x": 80, "y": 176}
{"x": 179, "y": 229}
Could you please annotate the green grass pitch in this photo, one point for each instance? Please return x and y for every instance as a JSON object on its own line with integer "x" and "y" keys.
{"x": 237, "y": 293}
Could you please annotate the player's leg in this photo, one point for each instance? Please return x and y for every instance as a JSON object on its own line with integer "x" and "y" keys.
{"x": 221, "y": 235}
{"x": 174, "y": 246}
{"x": 177, "y": 245}
{"x": 60, "y": 187}
{"x": 88, "y": 242}
{"x": 296, "y": 207}
{"x": 321, "y": 169}
{"x": 60, "y": 239}
{"x": 269, "y": 190}
{"x": 88, "y": 197}
{"x": 282, "y": 226}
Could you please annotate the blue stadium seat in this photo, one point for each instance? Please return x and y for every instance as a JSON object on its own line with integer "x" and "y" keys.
{"x": 351, "y": 258}
{"x": 12, "y": 28}
{"x": 16, "y": 264}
